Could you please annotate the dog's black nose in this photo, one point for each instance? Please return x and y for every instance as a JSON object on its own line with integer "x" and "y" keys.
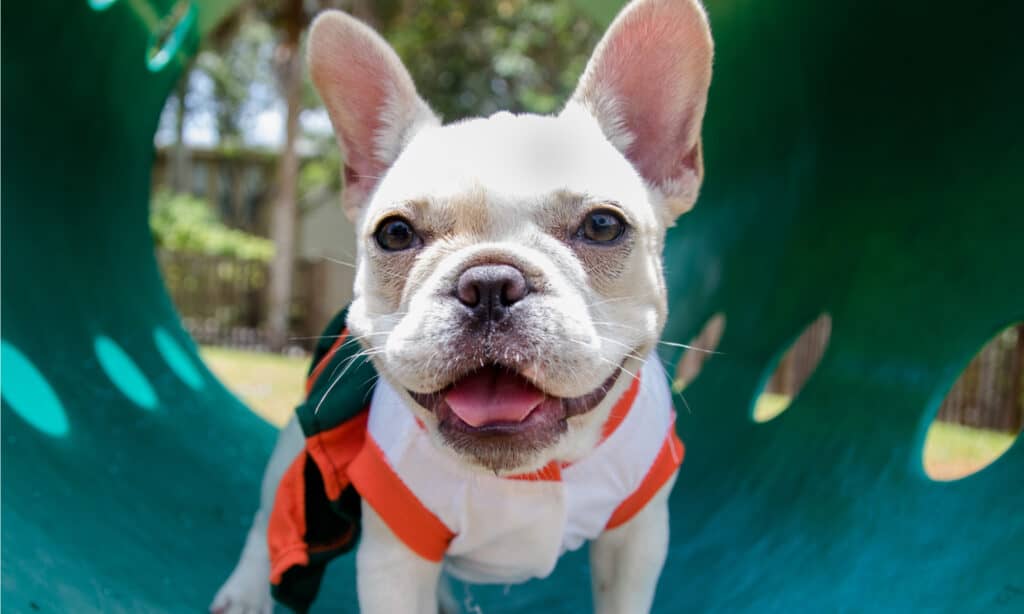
{"x": 489, "y": 290}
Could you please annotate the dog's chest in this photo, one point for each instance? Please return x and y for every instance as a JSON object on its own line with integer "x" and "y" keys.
{"x": 511, "y": 529}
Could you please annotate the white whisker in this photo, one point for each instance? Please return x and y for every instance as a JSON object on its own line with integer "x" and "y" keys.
{"x": 689, "y": 347}
{"x": 348, "y": 364}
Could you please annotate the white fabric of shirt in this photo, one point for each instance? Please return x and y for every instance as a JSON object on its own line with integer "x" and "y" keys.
{"x": 510, "y": 530}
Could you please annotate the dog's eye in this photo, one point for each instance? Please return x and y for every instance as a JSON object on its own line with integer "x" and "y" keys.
{"x": 395, "y": 234}
{"x": 602, "y": 226}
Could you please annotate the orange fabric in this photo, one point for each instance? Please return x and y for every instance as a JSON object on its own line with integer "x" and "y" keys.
{"x": 665, "y": 464}
{"x": 405, "y": 515}
{"x": 551, "y": 472}
{"x": 319, "y": 368}
{"x": 286, "y": 529}
{"x": 621, "y": 409}
{"x": 335, "y": 449}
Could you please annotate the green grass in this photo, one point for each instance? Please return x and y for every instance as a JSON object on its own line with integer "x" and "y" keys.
{"x": 952, "y": 451}
{"x": 271, "y": 384}
{"x": 770, "y": 405}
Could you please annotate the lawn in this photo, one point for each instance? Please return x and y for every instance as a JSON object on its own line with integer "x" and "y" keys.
{"x": 272, "y": 385}
{"x": 952, "y": 451}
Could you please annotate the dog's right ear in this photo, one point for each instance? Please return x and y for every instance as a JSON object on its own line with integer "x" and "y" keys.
{"x": 370, "y": 98}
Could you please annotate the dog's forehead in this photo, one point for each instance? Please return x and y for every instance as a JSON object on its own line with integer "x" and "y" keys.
{"x": 515, "y": 156}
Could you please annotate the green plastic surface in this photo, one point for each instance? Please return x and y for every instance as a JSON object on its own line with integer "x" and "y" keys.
{"x": 864, "y": 158}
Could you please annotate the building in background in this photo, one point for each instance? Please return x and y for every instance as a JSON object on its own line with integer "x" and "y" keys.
{"x": 223, "y": 299}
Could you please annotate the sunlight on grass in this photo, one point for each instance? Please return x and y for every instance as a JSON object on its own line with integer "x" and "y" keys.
{"x": 770, "y": 405}
{"x": 952, "y": 451}
{"x": 270, "y": 384}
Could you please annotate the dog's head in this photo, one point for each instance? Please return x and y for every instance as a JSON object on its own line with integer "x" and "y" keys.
{"x": 509, "y": 268}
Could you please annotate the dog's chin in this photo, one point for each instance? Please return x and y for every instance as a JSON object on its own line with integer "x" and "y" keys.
{"x": 506, "y": 444}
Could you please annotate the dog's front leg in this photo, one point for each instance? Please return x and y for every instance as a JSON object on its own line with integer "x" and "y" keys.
{"x": 626, "y": 561}
{"x": 391, "y": 578}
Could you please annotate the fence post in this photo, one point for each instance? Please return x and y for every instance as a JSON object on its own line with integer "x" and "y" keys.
{"x": 1017, "y": 375}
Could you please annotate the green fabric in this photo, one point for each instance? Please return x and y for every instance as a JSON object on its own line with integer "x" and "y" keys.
{"x": 345, "y": 382}
{"x": 863, "y": 158}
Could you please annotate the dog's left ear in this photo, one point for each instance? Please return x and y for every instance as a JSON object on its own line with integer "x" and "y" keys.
{"x": 647, "y": 86}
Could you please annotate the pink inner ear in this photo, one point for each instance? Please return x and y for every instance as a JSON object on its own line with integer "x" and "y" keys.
{"x": 359, "y": 90}
{"x": 656, "y": 65}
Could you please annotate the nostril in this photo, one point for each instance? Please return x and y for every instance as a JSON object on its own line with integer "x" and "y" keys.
{"x": 514, "y": 289}
{"x": 467, "y": 291}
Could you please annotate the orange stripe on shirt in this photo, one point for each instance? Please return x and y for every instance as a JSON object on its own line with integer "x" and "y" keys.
{"x": 665, "y": 464}
{"x": 319, "y": 368}
{"x": 286, "y": 529}
{"x": 335, "y": 449}
{"x": 399, "y": 508}
{"x": 621, "y": 409}
{"x": 551, "y": 472}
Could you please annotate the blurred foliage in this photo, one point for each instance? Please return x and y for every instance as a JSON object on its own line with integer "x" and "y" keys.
{"x": 476, "y": 58}
{"x": 467, "y": 59}
{"x": 320, "y": 174}
{"x": 241, "y": 83}
{"x": 184, "y": 223}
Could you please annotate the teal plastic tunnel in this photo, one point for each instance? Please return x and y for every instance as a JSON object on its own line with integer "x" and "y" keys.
{"x": 864, "y": 159}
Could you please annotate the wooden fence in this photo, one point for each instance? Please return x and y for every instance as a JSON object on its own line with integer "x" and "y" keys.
{"x": 800, "y": 361}
{"x": 223, "y": 300}
{"x": 990, "y": 391}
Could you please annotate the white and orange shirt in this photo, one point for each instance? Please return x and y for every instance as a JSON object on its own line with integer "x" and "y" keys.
{"x": 491, "y": 529}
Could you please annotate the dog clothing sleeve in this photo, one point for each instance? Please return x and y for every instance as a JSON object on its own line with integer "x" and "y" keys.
{"x": 316, "y": 512}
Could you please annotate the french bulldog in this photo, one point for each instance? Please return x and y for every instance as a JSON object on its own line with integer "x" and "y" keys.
{"x": 509, "y": 292}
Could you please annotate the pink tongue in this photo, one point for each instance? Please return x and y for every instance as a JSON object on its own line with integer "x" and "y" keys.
{"x": 493, "y": 395}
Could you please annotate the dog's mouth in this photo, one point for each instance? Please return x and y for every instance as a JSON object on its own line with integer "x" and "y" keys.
{"x": 497, "y": 415}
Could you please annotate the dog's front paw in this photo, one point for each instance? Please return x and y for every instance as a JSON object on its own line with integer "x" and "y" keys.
{"x": 247, "y": 590}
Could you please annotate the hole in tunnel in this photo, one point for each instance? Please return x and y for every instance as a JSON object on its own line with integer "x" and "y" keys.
{"x": 177, "y": 359}
{"x": 124, "y": 373}
{"x": 702, "y": 347}
{"x": 170, "y": 33}
{"x": 101, "y": 5}
{"x": 27, "y": 392}
{"x": 982, "y": 414}
{"x": 789, "y": 372}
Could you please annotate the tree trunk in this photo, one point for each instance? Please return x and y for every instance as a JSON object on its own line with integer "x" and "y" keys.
{"x": 181, "y": 179}
{"x": 282, "y": 269}
{"x": 237, "y": 171}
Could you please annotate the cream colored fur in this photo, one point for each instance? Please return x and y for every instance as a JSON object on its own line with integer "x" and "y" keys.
{"x": 503, "y": 189}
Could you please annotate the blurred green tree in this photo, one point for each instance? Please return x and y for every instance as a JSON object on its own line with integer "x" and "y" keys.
{"x": 184, "y": 223}
{"x": 475, "y": 58}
